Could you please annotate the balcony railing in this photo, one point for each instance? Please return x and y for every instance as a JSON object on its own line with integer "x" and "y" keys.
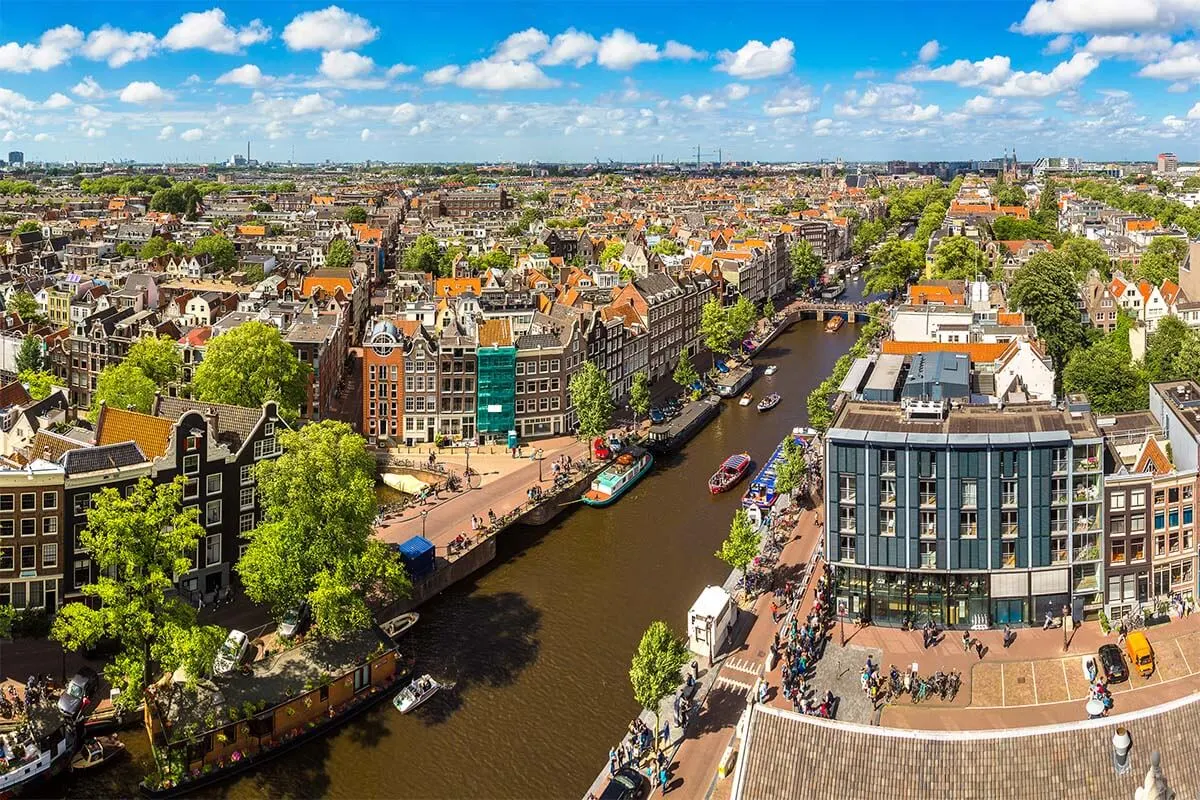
{"x": 968, "y": 531}
{"x": 847, "y": 554}
{"x": 1089, "y": 553}
{"x": 1060, "y": 466}
{"x": 887, "y": 468}
{"x": 1009, "y": 531}
{"x": 887, "y": 499}
{"x": 1087, "y": 464}
{"x": 1058, "y": 556}
{"x": 1089, "y": 583}
{"x": 1084, "y": 524}
{"x": 1058, "y": 498}
{"x": 928, "y": 500}
{"x": 1008, "y": 561}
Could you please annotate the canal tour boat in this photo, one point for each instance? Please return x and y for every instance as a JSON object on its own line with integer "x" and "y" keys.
{"x": 34, "y": 752}
{"x": 618, "y": 477}
{"x": 730, "y": 472}
{"x": 770, "y": 370}
{"x": 834, "y": 291}
{"x": 746, "y": 400}
{"x": 417, "y": 693}
{"x": 769, "y": 402}
{"x": 834, "y": 324}
{"x": 762, "y": 495}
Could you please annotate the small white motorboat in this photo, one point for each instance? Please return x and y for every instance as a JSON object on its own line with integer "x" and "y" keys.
{"x": 770, "y": 370}
{"x": 398, "y": 626}
{"x": 97, "y": 751}
{"x": 746, "y": 400}
{"x": 417, "y": 693}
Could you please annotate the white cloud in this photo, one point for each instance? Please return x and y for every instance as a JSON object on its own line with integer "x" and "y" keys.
{"x": 521, "y": 46}
{"x": 424, "y": 126}
{"x": 442, "y": 75}
{"x": 865, "y": 74}
{"x": 678, "y": 51}
{"x": 622, "y": 50}
{"x": 1059, "y": 44}
{"x": 399, "y": 69}
{"x": 1067, "y": 75}
{"x": 208, "y": 30}
{"x": 737, "y": 91}
{"x": 192, "y": 135}
{"x": 1126, "y": 45}
{"x": 144, "y": 93}
{"x": 499, "y": 76}
{"x": 1174, "y": 123}
{"x": 570, "y": 47}
{"x": 962, "y": 72}
{"x": 311, "y": 104}
{"x": 43, "y": 137}
{"x": 341, "y": 65}
{"x": 1086, "y": 16}
{"x": 788, "y": 102}
{"x": 117, "y": 47}
{"x": 405, "y": 112}
{"x": 328, "y": 29}
{"x": 275, "y": 129}
{"x": 757, "y": 60}
{"x": 1179, "y": 87}
{"x": 192, "y": 80}
{"x": 57, "y": 100}
{"x": 53, "y": 48}
{"x": 705, "y": 102}
{"x": 88, "y": 88}
{"x": 92, "y": 132}
{"x": 365, "y": 135}
{"x": 822, "y": 127}
{"x": 929, "y": 51}
{"x": 10, "y": 136}
{"x": 248, "y": 75}
{"x": 166, "y": 133}
{"x": 910, "y": 112}
{"x": 982, "y": 104}
{"x": 1181, "y": 63}
{"x": 1194, "y": 112}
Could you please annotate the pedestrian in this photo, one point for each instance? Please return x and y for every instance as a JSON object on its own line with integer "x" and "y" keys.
{"x": 979, "y": 648}
{"x": 1008, "y": 636}
{"x": 612, "y": 761}
{"x": 774, "y": 611}
{"x": 666, "y": 731}
{"x": 664, "y": 777}
{"x": 696, "y": 666}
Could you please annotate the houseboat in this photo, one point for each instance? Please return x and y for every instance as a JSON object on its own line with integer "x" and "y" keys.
{"x": 617, "y": 478}
{"x": 834, "y": 324}
{"x": 834, "y": 291}
{"x": 761, "y": 494}
{"x": 34, "y": 752}
{"x": 729, "y": 473}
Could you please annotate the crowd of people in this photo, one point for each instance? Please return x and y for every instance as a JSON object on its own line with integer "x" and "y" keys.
{"x": 799, "y": 650}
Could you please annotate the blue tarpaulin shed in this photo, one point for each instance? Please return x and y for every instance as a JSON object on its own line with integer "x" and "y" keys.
{"x": 417, "y": 554}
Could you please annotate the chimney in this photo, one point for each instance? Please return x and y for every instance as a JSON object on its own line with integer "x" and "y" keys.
{"x": 210, "y": 414}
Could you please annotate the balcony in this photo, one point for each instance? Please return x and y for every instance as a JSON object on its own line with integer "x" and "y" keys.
{"x": 887, "y": 468}
{"x": 887, "y": 530}
{"x": 928, "y": 500}
{"x": 887, "y": 499}
{"x": 1089, "y": 553}
{"x": 847, "y": 497}
{"x": 1058, "y": 498}
{"x": 1087, "y": 583}
{"x": 1081, "y": 524}
{"x": 1058, "y": 556}
{"x": 968, "y": 532}
{"x": 1060, "y": 466}
{"x": 1089, "y": 463}
{"x": 1009, "y": 531}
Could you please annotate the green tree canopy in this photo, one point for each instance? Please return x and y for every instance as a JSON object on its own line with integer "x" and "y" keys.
{"x": 1162, "y": 259}
{"x": 123, "y": 386}
{"x": 221, "y": 250}
{"x": 1008, "y": 229}
{"x": 958, "y": 258}
{"x": 868, "y": 235}
{"x": 591, "y": 395}
{"x": 1105, "y": 373}
{"x": 1084, "y": 255}
{"x": 667, "y": 247}
{"x": 340, "y": 254}
{"x": 742, "y": 544}
{"x": 492, "y": 259}
{"x": 126, "y": 250}
{"x": 424, "y": 255}
{"x": 31, "y": 356}
{"x": 249, "y": 365}
{"x": 139, "y": 543}
{"x": 157, "y": 357}
{"x": 655, "y": 670}
{"x": 768, "y": 309}
{"x": 685, "y": 374}
{"x": 715, "y": 328}
{"x": 38, "y": 384}
{"x": 356, "y": 214}
{"x": 806, "y": 265}
{"x": 1164, "y": 347}
{"x": 156, "y": 246}
{"x": 1047, "y": 213}
{"x": 316, "y": 541}
{"x": 789, "y": 476}
{"x": 1045, "y": 289}
{"x": 742, "y": 317}
{"x": 892, "y": 266}
{"x": 27, "y": 226}
{"x": 611, "y": 252}
{"x": 639, "y": 393}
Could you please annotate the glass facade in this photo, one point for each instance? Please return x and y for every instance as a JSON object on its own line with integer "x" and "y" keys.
{"x": 955, "y": 601}
{"x": 496, "y": 404}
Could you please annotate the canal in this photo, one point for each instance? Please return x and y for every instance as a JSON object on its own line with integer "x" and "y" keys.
{"x": 539, "y": 643}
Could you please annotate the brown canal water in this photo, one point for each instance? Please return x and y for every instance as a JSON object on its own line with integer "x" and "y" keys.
{"x": 540, "y": 642}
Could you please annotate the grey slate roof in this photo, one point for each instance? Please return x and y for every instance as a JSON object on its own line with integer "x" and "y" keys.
{"x": 109, "y": 456}
{"x": 234, "y": 423}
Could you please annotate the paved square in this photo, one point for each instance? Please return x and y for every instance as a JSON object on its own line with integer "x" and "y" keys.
{"x": 1077, "y": 682}
{"x": 1168, "y": 661}
{"x": 987, "y": 685}
{"x": 1018, "y": 684}
{"x": 1190, "y": 646}
{"x": 1050, "y": 680}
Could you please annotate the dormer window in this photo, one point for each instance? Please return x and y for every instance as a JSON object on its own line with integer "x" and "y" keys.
{"x": 191, "y": 443}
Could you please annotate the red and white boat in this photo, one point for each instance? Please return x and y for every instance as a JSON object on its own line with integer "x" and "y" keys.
{"x": 730, "y": 473}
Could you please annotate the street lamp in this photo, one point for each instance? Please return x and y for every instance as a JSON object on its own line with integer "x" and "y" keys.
{"x": 537, "y": 455}
{"x": 467, "y": 450}
{"x": 424, "y": 516}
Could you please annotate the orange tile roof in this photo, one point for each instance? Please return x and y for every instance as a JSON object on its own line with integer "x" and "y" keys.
{"x": 1010, "y": 318}
{"x": 364, "y": 232}
{"x": 1152, "y": 456}
{"x": 453, "y": 287}
{"x": 921, "y": 294}
{"x": 327, "y": 283}
{"x": 252, "y": 230}
{"x": 1020, "y": 212}
{"x": 117, "y": 425}
{"x": 1169, "y": 290}
{"x": 978, "y": 351}
{"x": 197, "y": 337}
{"x": 1141, "y": 224}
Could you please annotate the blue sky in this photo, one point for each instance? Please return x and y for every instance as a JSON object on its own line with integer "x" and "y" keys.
{"x": 408, "y": 81}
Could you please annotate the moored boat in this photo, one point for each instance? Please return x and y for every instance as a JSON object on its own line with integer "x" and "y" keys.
{"x": 746, "y": 400}
{"x": 729, "y": 473}
{"x": 38, "y": 750}
{"x": 769, "y": 402}
{"x": 618, "y": 477}
{"x": 762, "y": 494}
{"x": 417, "y": 693}
{"x": 833, "y": 291}
{"x": 834, "y": 324}
{"x": 770, "y": 370}
{"x": 97, "y": 751}
{"x": 398, "y": 626}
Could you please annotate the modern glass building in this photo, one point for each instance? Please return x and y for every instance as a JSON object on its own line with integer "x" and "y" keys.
{"x": 497, "y": 364}
{"x": 961, "y": 512}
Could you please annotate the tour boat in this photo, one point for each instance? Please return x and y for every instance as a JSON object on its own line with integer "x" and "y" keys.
{"x": 97, "y": 751}
{"x": 834, "y": 324}
{"x": 730, "y": 472}
{"x": 616, "y": 478}
{"x": 833, "y": 292}
{"x": 747, "y": 398}
{"x": 398, "y": 626}
{"x": 770, "y": 370}
{"x": 417, "y": 693}
{"x": 34, "y": 752}
{"x": 769, "y": 402}
{"x": 762, "y": 494}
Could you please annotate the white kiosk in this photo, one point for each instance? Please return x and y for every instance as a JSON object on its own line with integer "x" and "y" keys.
{"x": 710, "y": 621}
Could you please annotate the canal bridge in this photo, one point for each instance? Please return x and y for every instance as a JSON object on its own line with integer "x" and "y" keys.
{"x": 810, "y": 309}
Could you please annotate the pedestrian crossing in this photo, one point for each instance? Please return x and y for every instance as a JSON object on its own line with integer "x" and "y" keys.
{"x": 735, "y": 685}
{"x": 748, "y": 667}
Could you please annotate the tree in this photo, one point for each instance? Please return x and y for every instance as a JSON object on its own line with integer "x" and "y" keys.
{"x": 742, "y": 544}
{"x": 1045, "y": 289}
{"x": 423, "y": 255}
{"x": 715, "y": 328}
{"x": 654, "y": 672}
{"x": 667, "y": 247}
{"x": 1163, "y": 349}
{"x": 1083, "y": 256}
{"x": 639, "y": 394}
{"x": 38, "y": 384}
{"x": 1047, "y": 213}
{"x": 27, "y": 226}
{"x": 340, "y": 254}
{"x": 958, "y": 258}
{"x": 261, "y": 207}
{"x": 1187, "y": 362}
{"x": 492, "y": 259}
{"x": 892, "y": 265}
{"x": 123, "y": 386}
{"x": 768, "y": 309}
{"x": 1105, "y": 374}
{"x": 156, "y": 246}
{"x": 1162, "y": 259}
{"x": 1010, "y": 195}
{"x": 356, "y": 214}
{"x": 868, "y": 235}
{"x": 806, "y": 265}
{"x": 1007, "y": 229}
{"x": 591, "y": 395}
{"x": 316, "y": 541}
{"x": 611, "y": 252}
{"x": 685, "y": 374}
{"x": 30, "y": 357}
{"x": 249, "y": 365}
{"x": 789, "y": 476}
{"x": 126, "y": 250}
{"x": 221, "y": 249}
{"x": 139, "y": 543}
{"x": 25, "y": 306}
{"x": 158, "y": 359}
{"x": 742, "y": 315}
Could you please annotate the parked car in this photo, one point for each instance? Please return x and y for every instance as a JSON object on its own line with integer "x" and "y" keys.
{"x": 1113, "y": 663}
{"x": 626, "y": 784}
{"x": 80, "y": 692}
{"x": 231, "y": 653}
{"x": 295, "y": 620}
{"x": 657, "y": 417}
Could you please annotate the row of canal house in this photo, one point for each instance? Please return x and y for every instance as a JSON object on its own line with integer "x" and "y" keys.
{"x": 44, "y": 498}
{"x": 944, "y": 507}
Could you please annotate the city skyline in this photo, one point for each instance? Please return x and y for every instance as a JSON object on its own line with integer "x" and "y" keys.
{"x": 535, "y": 81}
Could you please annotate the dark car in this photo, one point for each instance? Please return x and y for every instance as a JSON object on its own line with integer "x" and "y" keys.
{"x": 1113, "y": 663}
{"x": 78, "y": 695}
{"x": 626, "y": 784}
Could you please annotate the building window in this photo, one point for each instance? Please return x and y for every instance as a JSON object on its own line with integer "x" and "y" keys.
{"x": 246, "y": 498}
{"x": 83, "y": 572}
{"x": 1058, "y": 549}
{"x": 50, "y": 554}
{"x": 1159, "y": 497}
{"x": 1137, "y": 498}
{"x": 49, "y": 501}
{"x": 928, "y": 525}
{"x": 1008, "y": 524}
{"x": 968, "y": 525}
{"x": 968, "y": 494}
{"x": 1137, "y": 549}
{"x": 1116, "y": 526}
{"x": 928, "y": 555}
{"x": 7, "y": 502}
{"x": 246, "y": 474}
{"x": 847, "y": 519}
{"x": 1008, "y": 493}
{"x": 887, "y": 491}
{"x": 1116, "y": 552}
{"x": 1137, "y": 523}
{"x": 80, "y": 504}
{"x": 29, "y": 501}
{"x": 6, "y": 558}
{"x": 49, "y": 526}
{"x": 928, "y": 493}
{"x": 7, "y": 528}
{"x": 191, "y": 465}
{"x": 192, "y": 443}
{"x": 1060, "y": 459}
{"x": 1008, "y": 555}
{"x": 28, "y": 556}
{"x": 887, "y": 522}
{"x": 212, "y": 513}
{"x": 214, "y": 484}
{"x": 246, "y": 523}
{"x": 1116, "y": 501}
{"x": 212, "y": 550}
{"x": 191, "y": 489}
{"x": 29, "y": 526}
{"x": 846, "y": 547}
